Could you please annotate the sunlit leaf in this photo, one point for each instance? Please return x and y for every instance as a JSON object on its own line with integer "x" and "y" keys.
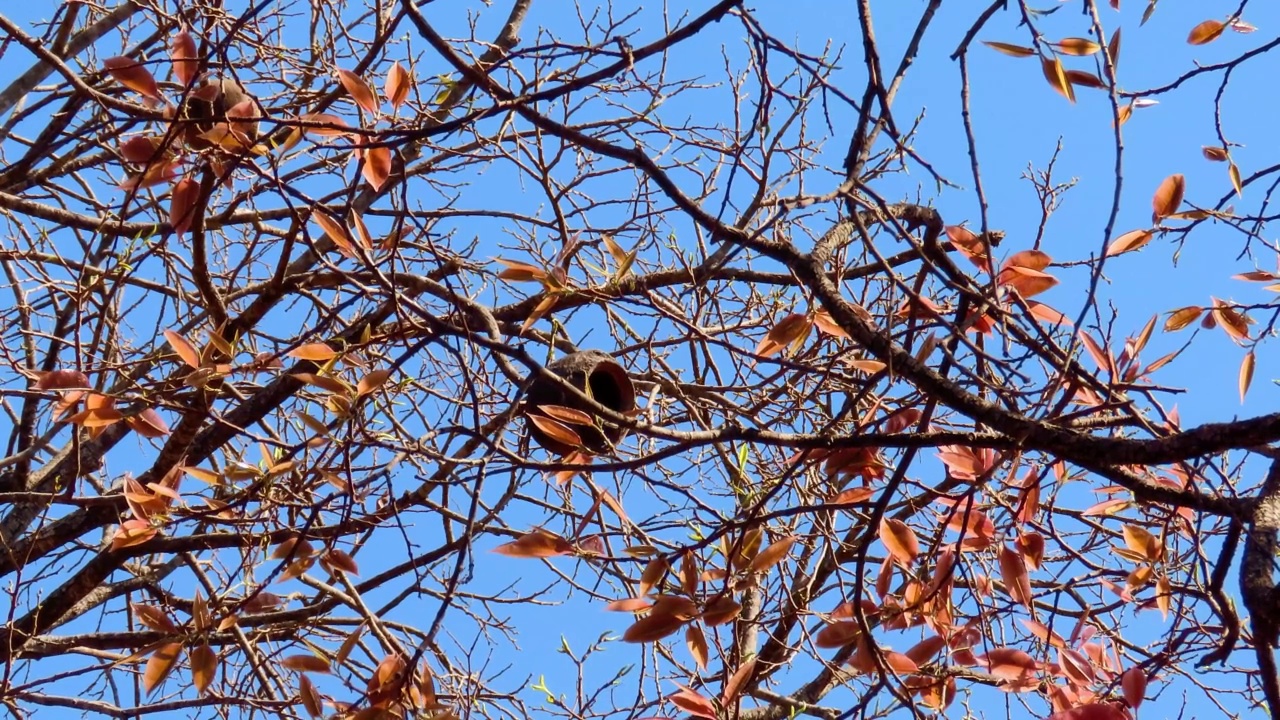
{"x": 537, "y": 544}
{"x": 1182, "y": 317}
{"x": 1057, "y": 77}
{"x": 162, "y": 662}
{"x": 204, "y": 664}
{"x": 1233, "y": 172}
{"x": 900, "y": 540}
{"x": 1246, "y": 374}
{"x": 772, "y": 555}
{"x": 305, "y": 663}
{"x": 1077, "y": 46}
{"x": 182, "y": 53}
{"x": 1168, "y": 197}
{"x": 1215, "y": 153}
{"x": 691, "y": 702}
{"x": 1008, "y": 49}
{"x": 377, "y": 166}
{"x": 359, "y": 90}
{"x": 133, "y": 75}
{"x": 697, "y": 644}
{"x": 1131, "y": 240}
{"x": 1206, "y": 32}
{"x": 1014, "y": 573}
{"x": 399, "y": 82}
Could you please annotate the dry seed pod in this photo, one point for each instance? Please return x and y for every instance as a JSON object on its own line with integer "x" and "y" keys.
{"x": 206, "y": 112}
{"x": 598, "y": 375}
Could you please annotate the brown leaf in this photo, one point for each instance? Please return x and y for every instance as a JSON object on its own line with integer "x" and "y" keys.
{"x": 315, "y": 352}
{"x": 184, "y": 348}
{"x": 772, "y": 555}
{"x": 148, "y": 423}
{"x": 359, "y": 90}
{"x": 1233, "y": 172}
{"x": 1206, "y": 32}
{"x": 733, "y": 685}
{"x": 1031, "y": 545}
{"x": 900, "y": 540}
{"x": 1113, "y": 47}
{"x": 1026, "y": 281}
{"x": 133, "y": 75}
{"x": 398, "y": 84}
{"x": 204, "y": 664}
{"x": 635, "y": 604}
{"x": 720, "y": 611}
{"x": 652, "y": 575}
{"x": 1030, "y": 259}
{"x": 1014, "y": 573}
{"x": 153, "y": 617}
{"x": 1246, "y": 374}
{"x": 537, "y": 544}
{"x": 1235, "y": 324}
{"x": 306, "y": 663}
{"x": 555, "y": 429}
{"x": 336, "y": 231}
{"x": 132, "y": 532}
{"x": 325, "y": 125}
{"x": 182, "y": 53}
{"x": 697, "y": 644}
{"x": 1008, "y": 49}
{"x": 1080, "y": 78}
{"x": 1077, "y": 46}
{"x": 1215, "y": 153}
{"x": 340, "y": 560}
{"x": 1134, "y": 684}
{"x": 1182, "y": 317}
{"x": 162, "y": 662}
{"x": 653, "y": 627}
{"x": 1131, "y": 240}
{"x": 377, "y": 166}
{"x": 691, "y": 702}
{"x": 1057, "y": 77}
{"x": 789, "y": 330}
{"x": 1009, "y": 663}
{"x": 310, "y": 697}
{"x": 1168, "y": 197}
{"x": 374, "y": 380}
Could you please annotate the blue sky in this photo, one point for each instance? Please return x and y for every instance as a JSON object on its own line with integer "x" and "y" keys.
{"x": 1019, "y": 121}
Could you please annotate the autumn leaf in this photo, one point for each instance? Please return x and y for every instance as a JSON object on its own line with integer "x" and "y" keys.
{"x": 336, "y": 231}
{"x": 537, "y": 544}
{"x": 1168, "y": 197}
{"x": 1008, "y": 49}
{"x": 1057, "y": 77}
{"x": 182, "y": 53}
{"x": 900, "y": 540}
{"x": 1246, "y": 374}
{"x": 1215, "y": 153}
{"x": 1026, "y": 281}
{"x": 204, "y": 664}
{"x": 1014, "y": 573}
{"x": 305, "y": 663}
{"x": 697, "y": 644}
{"x": 1131, "y": 240}
{"x": 772, "y": 555}
{"x": 1077, "y": 46}
{"x": 133, "y": 75}
{"x": 162, "y": 662}
{"x": 398, "y": 85}
{"x": 691, "y": 702}
{"x": 1182, "y": 317}
{"x": 1206, "y": 32}
{"x": 377, "y": 166}
{"x": 359, "y": 90}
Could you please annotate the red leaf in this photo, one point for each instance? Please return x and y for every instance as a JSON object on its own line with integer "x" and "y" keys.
{"x": 691, "y": 702}
{"x": 133, "y": 75}
{"x": 359, "y": 90}
{"x": 398, "y": 83}
{"x": 182, "y": 204}
{"x": 899, "y": 540}
{"x": 182, "y": 51}
{"x": 1134, "y": 684}
{"x": 1014, "y": 572}
{"x": 377, "y": 166}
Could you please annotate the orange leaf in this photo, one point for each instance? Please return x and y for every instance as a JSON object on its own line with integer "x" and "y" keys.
{"x": 184, "y": 348}
{"x": 1026, "y": 281}
{"x": 790, "y": 330}
{"x": 697, "y": 644}
{"x": 340, "y": 560}
{"x": 1246, "y": 374}
{"x": 148, "y": 423}
{"x": 182, "y": 52}
{"x": 329, "y": 125}
{"x": 336, "y": 231}
{"x": 398, "y": 84}
{"x": 204, "y": 663}
{"x": 1085, "y": 79}
{"x": 1057, "y": 77}
{"x": 1233, "y": 322}
{"x": 316, "y": 352}
{"x": 377, "y": 166}
{"x": 1168, "y": 197}
{"x": 1182, "y": 317}
{"x": 555, "y": 429}
{"x": 1008, "y": 49}
{"x": 310, "y": 697}
{"x": 1214, "y": 153}
{"x": 162, "y": 662}
{"x": 773, "y": 554}
{"x": 722, "y": 610}
{"x": 1030, "y": 259}
{"x": 899, "y": 540}
{"x": 521, "y": 272}
{"x": 653, "y": 627}
{"x": 1014, "y": 573}
{"x": 359, "y": 90}
{"x": 537, "y": 544}
{"x": 691, "y": 702}
{"x": 1134, "y": 684}
{"x": 1234, "y": 173}
{"x": 1131, "y": 240}
{"x": 636, "y": 604}
{"x": 1113, "y": 47}
{"x": 1078, "y": 46}
{"x": 1009, "y": 663}
{"x": 133, "y": 75}
{"x": 372, "y": 381}
{"x": 153, "y": 617}
{"x": 1206, "y": 32}
{"x": 305, "y": 663}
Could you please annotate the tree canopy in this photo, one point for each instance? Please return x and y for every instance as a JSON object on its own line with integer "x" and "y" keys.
{"x": 611, "y": 360}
